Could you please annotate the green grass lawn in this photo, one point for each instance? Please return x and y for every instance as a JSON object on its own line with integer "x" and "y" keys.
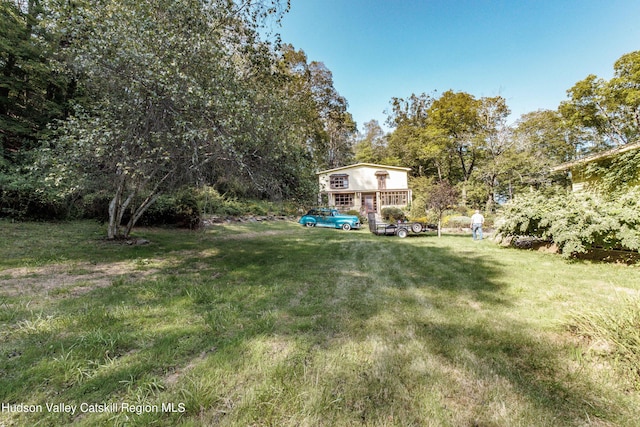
{"x": 276, "y": 324}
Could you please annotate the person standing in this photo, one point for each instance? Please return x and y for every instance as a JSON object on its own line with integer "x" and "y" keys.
{"x": 476, "y": 225}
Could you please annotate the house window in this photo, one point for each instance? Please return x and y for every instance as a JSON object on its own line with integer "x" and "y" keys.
{"x": 339, "y": 181}
{"x": 393, "y": 198}
{"x": 343, "y": 200}
{"x": 382, "y": 179}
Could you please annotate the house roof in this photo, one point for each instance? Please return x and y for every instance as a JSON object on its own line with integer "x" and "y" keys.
{"x": 370, "y": 165}
{"x": 597, "y": 156}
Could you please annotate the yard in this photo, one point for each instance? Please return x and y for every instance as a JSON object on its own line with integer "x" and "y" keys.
{"x": 276, "y": 324}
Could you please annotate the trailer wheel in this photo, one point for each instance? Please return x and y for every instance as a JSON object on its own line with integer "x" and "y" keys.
{"x": 402, "y": 233}
{"x": 416, "y": 227}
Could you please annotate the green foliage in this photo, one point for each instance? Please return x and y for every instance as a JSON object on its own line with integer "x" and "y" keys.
{"x": 33, "y": 90}
{"x": 453, "y": 138}
{"x": 180, "y": 209}
{"x": 420, "y": 187}
{"x": 607, "y": 112}
{"x": 211, "y": 202}
{"x": 456, "y": 221}
{"x": 616, "y": 174}
{"x": 25, "y": 195}
{"x": 575, "y": 222}
{"x": 182, "y": 92}
{"x": 22, "y": 198}
{"x": 371, "y": 147}
{"x": 94, "y": 206}
{"x": 392, "y": 214}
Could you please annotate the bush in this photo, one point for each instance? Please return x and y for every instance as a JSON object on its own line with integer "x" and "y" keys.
{"x": 575, "y": 222}
{"x": 180, "y": 209}
{"x": 95, "y": 206}
{"x": 26, "y": 199}
{"x": 211, "y": 202}
{"x": 456, "y": 221}
{"x": 393, "y": 214}
{"x": 362, "y": 218}
{"x": 187, "y": 212}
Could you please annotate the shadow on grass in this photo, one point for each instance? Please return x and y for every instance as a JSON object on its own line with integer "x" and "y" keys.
{"x": 320, "y": 289}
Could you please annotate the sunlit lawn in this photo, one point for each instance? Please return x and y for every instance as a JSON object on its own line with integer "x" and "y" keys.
{"x": 275, "y": 324}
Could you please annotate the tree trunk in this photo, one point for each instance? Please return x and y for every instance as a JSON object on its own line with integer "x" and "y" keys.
{"x": 137, "y": 214}
{"x": 151, "y": 198}
{"x": 463, "y": 193}
{"x": 490, "y": 203}
{"x": 114, "y": 211}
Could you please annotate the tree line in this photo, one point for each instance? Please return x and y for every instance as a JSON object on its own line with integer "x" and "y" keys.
{"x": 134, "y": 99}
{"x": 457, "y": 140}
{"x": 123, "y": 101}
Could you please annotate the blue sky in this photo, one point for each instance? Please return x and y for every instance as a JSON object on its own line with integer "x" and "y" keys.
{"x": 529, "y": 52}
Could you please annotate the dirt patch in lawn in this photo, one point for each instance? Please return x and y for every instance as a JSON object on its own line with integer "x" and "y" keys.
{"x": 253, "y": 235}
{"x": 82, "y": 277}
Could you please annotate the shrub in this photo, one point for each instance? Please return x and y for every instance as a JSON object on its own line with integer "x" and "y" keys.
{"x": 363, "y": 219}
{"x": 456, "y": 221}
{"x": 575, "y": 222}
{"x": 24, "y": 199}
{"x": 209, "y": 200}
{"x": 393, "y": 214}
{"x": 180, "y": 209}
{"x": 418, "y": 206}
{"x": 95, "y": 206}
{"x": 187, "y": 212}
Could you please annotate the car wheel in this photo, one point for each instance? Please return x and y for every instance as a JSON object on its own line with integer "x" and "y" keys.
{"x": 402, "y": 233}
{"x": 309, "y": 224}
{"x": 346, "y": 227}
{"x": 416, "y": 227}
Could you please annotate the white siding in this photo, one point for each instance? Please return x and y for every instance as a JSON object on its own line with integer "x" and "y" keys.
{"x": 363, "y": 178}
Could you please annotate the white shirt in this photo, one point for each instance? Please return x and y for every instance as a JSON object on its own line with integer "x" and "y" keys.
{"x": 477, "y": 219}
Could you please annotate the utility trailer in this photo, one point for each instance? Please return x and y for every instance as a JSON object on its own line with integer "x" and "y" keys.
{"x": 400, "y": 229}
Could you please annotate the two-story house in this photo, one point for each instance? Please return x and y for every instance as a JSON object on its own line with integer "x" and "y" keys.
{"x": 365, "y": 187}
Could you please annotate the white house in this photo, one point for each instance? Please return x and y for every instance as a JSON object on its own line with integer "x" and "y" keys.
{"x": 365, "y": 187}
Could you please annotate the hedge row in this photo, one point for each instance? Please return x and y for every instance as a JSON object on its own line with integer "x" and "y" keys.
{"x": 576, "y": 223}
{"x": 183, "y": 208}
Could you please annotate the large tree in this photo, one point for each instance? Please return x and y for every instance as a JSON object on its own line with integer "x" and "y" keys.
{"x": 442, "y": 135}
{"x": 455, "y": 120}
{"x": 32, "y": 90}
{"x": 605, "y": 114}
{"x": 181, "y": 92}
{"x": 608, "y": 112}
{"x": 331, "y": 126}
{"x": 411, "y": 144}
{"x": 495, "y": 143}
{"x": 371, "y": 145}
{"x": 338, "y": 124}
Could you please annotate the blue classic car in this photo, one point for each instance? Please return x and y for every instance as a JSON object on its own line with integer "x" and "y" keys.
{"x": 325, "y": 217}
